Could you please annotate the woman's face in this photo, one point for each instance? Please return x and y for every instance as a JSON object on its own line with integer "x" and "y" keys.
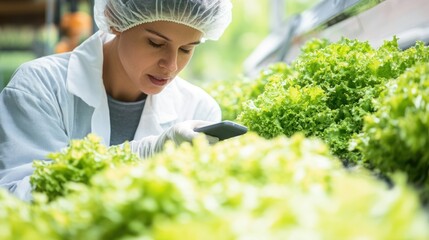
{"x": 151, "y": 55}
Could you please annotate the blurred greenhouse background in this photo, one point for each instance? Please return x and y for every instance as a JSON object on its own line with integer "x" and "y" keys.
{"x": 335, "y": 96}
{"x": 252, "y": 21}
{"x": 34, "y": 28}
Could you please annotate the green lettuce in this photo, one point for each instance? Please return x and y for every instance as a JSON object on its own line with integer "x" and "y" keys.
{"x": 329, "y": 90}
{"x": 395, "y": 137}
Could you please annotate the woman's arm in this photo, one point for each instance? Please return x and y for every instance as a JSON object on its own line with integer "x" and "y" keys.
{"x": 31, "y": 126}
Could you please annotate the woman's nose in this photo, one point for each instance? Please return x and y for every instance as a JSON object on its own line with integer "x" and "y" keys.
{"x": 169, "y": 61}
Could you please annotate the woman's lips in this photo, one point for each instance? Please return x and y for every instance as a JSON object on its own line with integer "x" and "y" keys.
{"x": 159, "y": 81}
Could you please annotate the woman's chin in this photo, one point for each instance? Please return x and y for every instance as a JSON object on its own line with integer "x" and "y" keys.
{"x": 153, "y": 91}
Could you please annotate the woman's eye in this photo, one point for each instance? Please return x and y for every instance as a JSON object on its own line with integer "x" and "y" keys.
{"x": 153, "y": 44}
{"x": 185, "y": 50}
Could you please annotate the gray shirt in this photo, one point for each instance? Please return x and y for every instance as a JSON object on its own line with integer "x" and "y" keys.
{"x": 124, "y": 119}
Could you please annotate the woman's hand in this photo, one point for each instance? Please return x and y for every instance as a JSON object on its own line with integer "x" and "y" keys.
{"x": 179, "y": 133}
{"x": 184, "y": 132}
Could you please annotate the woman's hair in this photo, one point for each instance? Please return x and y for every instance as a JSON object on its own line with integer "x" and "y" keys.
{"x": 211, "y": 17}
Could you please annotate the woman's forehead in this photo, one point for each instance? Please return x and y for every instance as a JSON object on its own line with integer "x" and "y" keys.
{"x": 172, "y": 31}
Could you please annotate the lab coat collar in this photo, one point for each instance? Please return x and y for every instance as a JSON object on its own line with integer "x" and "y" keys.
{"x": 84, "y": 75}
{"x": 84, "y": 79}
{"x": 159, "y": 112}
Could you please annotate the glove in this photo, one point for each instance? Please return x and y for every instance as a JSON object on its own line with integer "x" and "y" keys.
{"x": 179, "y": 133}
{"x": 184, "y": 132}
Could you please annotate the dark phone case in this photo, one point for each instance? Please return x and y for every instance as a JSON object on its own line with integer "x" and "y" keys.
{"x": 223, "y": 130}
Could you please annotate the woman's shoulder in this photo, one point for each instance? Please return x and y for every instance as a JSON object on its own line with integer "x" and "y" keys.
{"x": 48, "y": 64}
{"x": 44, "y": 71}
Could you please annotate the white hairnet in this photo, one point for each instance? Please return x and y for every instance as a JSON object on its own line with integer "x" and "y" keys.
{"x": 211, "y": 17}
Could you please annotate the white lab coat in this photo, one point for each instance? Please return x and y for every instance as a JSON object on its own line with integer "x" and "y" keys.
{"x": 54, "y": 99}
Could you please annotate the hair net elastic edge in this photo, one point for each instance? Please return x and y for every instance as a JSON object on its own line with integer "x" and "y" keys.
{"x": 158, "y": 20}
{"x": 121, "y": 15}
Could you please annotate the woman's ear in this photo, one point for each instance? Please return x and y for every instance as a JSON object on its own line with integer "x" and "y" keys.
{"x": 114, "y": 31}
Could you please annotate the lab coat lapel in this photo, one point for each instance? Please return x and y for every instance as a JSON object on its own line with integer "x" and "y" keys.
{"x": 159, "y": 113}
{"x": 84, "y": 79}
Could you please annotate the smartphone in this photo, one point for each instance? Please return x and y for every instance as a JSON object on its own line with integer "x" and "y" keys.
{"x": 223, "y": 130}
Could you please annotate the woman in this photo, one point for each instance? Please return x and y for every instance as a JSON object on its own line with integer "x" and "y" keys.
{"x": 120, "y": 84}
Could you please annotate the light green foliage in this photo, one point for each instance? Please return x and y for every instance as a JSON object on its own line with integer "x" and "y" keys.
{"x": 330, "y": 90}
{"x": 231, "y": 94}
{"x": 19, "y": 220}
{"x": 243, "y": 188}
{"x": 77, "y": 163}
{"x": 314, "y": 45}
{"x": 396, "y": 136}
{"x": 290, "y": 110}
